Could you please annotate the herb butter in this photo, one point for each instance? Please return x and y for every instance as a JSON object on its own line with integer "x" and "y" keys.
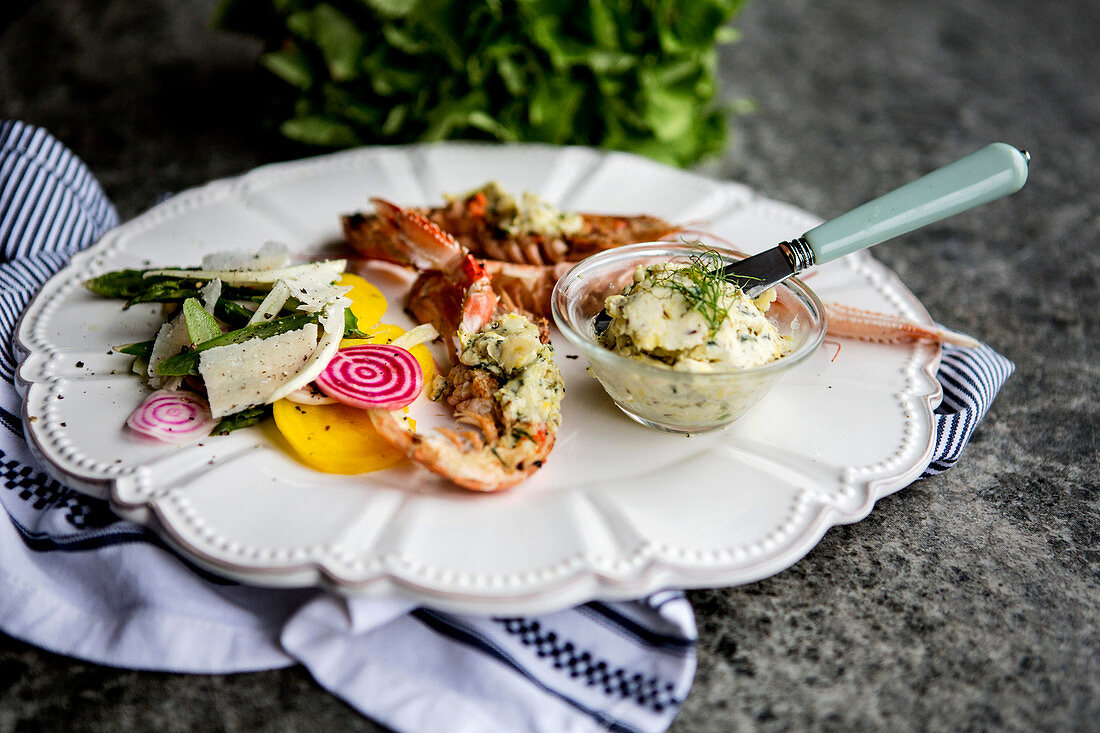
{"x": 509, "y": 348}
{"x": 529, "y": 214}
{"x": 687, "y": 318}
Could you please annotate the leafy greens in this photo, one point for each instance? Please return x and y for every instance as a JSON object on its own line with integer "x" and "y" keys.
{"x": 635, "y": 75}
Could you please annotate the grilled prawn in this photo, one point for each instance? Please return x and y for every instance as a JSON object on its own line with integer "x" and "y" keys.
{"x": 504, "y": 381}
{"x": 492, "y": 224}
{"x": 523, "y": 275}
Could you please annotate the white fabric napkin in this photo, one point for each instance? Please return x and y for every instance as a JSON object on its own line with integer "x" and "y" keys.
{"x": 76, "y": 580}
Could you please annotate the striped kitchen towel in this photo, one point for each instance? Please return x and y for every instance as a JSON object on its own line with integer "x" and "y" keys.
{"x": 971, "y": 379}
{"x": 76, "y": 580}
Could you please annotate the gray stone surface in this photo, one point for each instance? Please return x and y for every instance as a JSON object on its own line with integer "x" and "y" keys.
{"x": 967, "y": 601}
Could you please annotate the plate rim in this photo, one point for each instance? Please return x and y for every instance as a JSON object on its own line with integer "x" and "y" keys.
{"x": 579, "y": 582}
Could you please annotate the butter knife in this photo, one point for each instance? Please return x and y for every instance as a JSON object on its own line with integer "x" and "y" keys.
{"x": 994, "y": 171}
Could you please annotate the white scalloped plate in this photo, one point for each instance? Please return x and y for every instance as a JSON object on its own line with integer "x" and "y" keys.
{"x": 618, "y": 511}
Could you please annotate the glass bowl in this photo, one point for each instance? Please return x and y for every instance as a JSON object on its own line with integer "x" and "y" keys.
{"x": 661, "y": 398}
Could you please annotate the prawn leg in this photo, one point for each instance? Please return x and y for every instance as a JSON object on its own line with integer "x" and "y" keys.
{"x": 850, "y": 322}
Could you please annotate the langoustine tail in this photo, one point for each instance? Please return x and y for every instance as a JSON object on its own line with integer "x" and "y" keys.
{"x": 851, "y": 322}
{"x": 462, "y": 458}
{"x": 604, "y": 231}
{"x": 402, "y": 236}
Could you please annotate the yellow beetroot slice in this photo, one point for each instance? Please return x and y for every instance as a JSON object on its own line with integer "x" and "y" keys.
{"x": 372, "y": 376}
{"x": 334, "y": 438}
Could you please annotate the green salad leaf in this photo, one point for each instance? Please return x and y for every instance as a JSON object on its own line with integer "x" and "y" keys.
{"x": 243, "y": 419}
{"x": 351, "y": 325}
{"x": 140, "y": 349}
{"x": 118, "y": 284}
{"x": 636, "y": 75}
{"x": 201, "y": 326}
{"x": 187, "y": 362}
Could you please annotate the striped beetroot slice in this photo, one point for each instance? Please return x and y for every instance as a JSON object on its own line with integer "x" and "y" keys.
{"x": 372, "y": 376}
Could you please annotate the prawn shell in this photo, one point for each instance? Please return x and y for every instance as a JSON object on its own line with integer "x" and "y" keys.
{"x": 374, "y": 235}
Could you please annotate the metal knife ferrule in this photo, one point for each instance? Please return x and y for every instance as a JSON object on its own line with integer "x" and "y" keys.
{"x": 799, "y": 253}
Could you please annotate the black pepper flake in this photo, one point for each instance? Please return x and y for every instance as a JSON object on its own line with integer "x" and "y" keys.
{"x": 571, "y": 356}
{"x": 64, "y": 425}
{"x": 79, "y": 364}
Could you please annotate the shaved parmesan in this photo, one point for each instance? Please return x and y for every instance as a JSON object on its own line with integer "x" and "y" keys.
{"x": 271, "y": 256}
{"x": 332, "y": 321}
{"x": 315, "y": 290}
{"x": 238, "y": 376}
{"x": 210, "y": 294}
{"x": 271, "y": 304}
{"x": 327, "y": 271}
{"x": 173, "y": 337}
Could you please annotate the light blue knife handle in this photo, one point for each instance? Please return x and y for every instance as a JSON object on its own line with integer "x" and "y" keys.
{"x": 994, "y": 171}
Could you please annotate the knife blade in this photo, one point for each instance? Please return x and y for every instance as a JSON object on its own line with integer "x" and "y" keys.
{"x": 759, "y": 272}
